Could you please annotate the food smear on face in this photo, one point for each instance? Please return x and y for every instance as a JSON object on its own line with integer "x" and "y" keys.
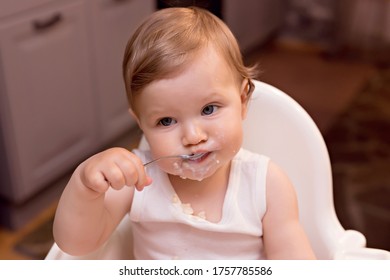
{"x": 194, "y": 171}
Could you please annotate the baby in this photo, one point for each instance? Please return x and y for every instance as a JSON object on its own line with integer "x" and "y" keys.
{"x": 188, "y": 90}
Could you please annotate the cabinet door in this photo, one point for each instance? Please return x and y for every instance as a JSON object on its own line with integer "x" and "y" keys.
{"x": 47, "y": 109}
{"x": 112, "y": 23}
{"x": 10, "y": 7}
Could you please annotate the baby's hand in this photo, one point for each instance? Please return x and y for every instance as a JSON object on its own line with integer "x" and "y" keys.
{"x": 116, "y": 168}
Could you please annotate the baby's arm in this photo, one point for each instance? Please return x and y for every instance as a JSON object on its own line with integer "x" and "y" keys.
{"x": 96, "y": 199}
{"x": 284, "y": 237}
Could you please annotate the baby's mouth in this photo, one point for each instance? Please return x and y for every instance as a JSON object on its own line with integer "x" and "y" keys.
{"x": 197, "y": 157}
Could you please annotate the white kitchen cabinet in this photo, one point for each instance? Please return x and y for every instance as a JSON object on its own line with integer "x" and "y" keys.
{"x": 11, "y": 7}
{"x": 113, "y": 22}
{"x": 62, "y": 96}
{"x": 46, "y": 97}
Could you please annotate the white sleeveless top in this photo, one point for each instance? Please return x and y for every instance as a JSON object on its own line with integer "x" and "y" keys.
{"x": 164, "y": 228}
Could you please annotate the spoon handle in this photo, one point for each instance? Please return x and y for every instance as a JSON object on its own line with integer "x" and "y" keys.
{"x": 160, "y": 158}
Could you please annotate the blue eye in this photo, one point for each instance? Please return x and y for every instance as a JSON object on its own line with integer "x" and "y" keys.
{"x": 209, "y": 109}
{"x": 166, "y": 121}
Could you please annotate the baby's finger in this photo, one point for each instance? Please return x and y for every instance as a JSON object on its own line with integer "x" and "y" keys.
{"x": 114, "y": 176}
{"x": 142, "y": 178}
{"x": 95, "y": 181}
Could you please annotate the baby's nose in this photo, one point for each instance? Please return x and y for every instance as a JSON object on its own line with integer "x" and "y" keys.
{"x": 193, "y": 134}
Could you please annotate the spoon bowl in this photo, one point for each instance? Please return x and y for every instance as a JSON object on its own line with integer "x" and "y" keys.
{"x": 183, "y": 157}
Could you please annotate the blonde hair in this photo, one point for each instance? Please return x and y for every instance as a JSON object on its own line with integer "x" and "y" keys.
{"x": 169, "y": 39}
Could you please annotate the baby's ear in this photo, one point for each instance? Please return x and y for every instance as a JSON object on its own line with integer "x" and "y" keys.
{"x": 245, "y": 93}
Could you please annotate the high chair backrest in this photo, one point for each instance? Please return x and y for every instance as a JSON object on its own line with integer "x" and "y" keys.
{"x": 277, "y": 126}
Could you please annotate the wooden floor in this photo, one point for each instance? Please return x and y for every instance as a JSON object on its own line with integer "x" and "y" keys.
{"x": 8, "y": 238}
{"x": 323, "y": 87}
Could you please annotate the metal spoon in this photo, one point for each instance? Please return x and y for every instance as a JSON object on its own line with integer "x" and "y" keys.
{"x": 184, "y": 157}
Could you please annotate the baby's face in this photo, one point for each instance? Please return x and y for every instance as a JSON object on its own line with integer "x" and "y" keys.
{"x": 199, "y": 110}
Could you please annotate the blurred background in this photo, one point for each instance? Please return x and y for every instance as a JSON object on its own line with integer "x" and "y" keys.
{"x": 62, "y": 97}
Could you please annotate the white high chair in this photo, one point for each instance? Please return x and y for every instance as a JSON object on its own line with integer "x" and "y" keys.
{"x": 280, "y": 128}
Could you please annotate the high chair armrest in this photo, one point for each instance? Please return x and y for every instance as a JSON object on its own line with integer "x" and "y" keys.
{"x": 352, "y": 239}
{"x": 352, "y": 247}
{"x": 363, "y": 254}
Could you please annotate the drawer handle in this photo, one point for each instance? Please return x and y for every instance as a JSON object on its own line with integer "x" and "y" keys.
{"x": 40, "y": 25}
